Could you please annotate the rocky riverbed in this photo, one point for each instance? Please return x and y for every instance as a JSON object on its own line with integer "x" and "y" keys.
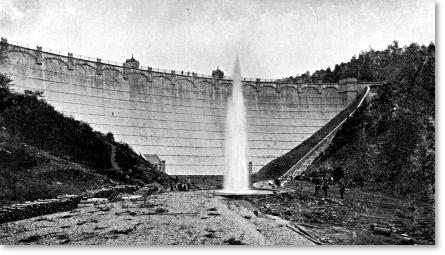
{"x": 175, "y": 218}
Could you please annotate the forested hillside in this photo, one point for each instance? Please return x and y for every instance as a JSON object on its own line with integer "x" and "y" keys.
{"x": 371, "y": 65}
{"x": 389, "y": 144}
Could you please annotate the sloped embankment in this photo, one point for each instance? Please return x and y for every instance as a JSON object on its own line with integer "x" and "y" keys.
{"x": 280, "y": 165}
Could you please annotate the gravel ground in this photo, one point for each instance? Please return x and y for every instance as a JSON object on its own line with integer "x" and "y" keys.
{"x": 177, "y": 218}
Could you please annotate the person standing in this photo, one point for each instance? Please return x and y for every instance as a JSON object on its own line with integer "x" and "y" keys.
{"x": 189, "y": 183}
{"x": 317, "y": 187}
{"x": 342, "y": 189}
{"x": 325, "y": 188}
{"x": 176, "y": 183}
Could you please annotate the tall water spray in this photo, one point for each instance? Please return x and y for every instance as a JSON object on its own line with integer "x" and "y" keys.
{"x": 236, "y": 179}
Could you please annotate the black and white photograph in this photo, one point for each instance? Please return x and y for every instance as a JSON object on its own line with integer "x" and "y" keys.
{"x": 296, "y": 123}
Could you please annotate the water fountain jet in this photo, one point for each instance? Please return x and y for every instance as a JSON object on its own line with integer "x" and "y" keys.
{"x": 236, "y": 177}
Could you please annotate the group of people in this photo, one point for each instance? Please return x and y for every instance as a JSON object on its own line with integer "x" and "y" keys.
{"x": 180, "y": 185}
{"x": 323, "y": 185}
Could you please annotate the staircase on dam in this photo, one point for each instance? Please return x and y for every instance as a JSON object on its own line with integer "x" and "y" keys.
{"x": 319, "y": 148}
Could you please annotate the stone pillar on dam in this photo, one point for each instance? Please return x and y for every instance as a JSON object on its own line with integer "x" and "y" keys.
{"x": 177, "y": 115}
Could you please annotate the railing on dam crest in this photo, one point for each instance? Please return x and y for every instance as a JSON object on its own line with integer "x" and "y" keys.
{"x": 115, "y": 63}
{"x": 62, "y": 54}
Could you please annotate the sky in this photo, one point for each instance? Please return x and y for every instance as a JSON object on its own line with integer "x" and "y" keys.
{"x": 273, "y": 38}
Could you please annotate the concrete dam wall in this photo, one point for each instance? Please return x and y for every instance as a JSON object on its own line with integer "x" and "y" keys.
{"x": 177, "y": 115}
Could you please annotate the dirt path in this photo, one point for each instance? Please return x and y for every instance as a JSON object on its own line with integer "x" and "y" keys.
{"x": 179, "y": 218}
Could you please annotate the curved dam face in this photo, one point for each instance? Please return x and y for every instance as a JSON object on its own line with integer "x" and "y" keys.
{"x": 178, "y": 116}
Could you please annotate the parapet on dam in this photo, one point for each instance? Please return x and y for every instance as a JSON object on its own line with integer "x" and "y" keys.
{"x": 179, "y": 116}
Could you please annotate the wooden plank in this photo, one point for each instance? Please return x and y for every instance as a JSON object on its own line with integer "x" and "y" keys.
{"x": 309, "y": 237}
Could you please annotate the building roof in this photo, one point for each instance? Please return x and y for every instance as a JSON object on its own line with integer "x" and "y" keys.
{"x": 153, "y": 159}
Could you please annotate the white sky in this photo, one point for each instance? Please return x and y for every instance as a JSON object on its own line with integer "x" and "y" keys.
{"x": 272, "y": 38}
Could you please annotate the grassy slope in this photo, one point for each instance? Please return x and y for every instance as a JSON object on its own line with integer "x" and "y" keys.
{"x": 28, "y": 173}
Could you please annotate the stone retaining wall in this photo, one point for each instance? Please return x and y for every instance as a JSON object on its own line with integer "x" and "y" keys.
{"x": 39, "y": 207}
{"x": 59, "y": 204}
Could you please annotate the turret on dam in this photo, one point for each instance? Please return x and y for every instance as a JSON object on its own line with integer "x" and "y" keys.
{"x": 179, "y": 116}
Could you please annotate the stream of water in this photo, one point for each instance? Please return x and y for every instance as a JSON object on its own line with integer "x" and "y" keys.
{"x": 236, "y": 178}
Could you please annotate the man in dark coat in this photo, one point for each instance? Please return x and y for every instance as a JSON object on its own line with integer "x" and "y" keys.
{"x": 325, "y": 188}
{"x": 342, "y": 189}
{"x": 317, "y": 187}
